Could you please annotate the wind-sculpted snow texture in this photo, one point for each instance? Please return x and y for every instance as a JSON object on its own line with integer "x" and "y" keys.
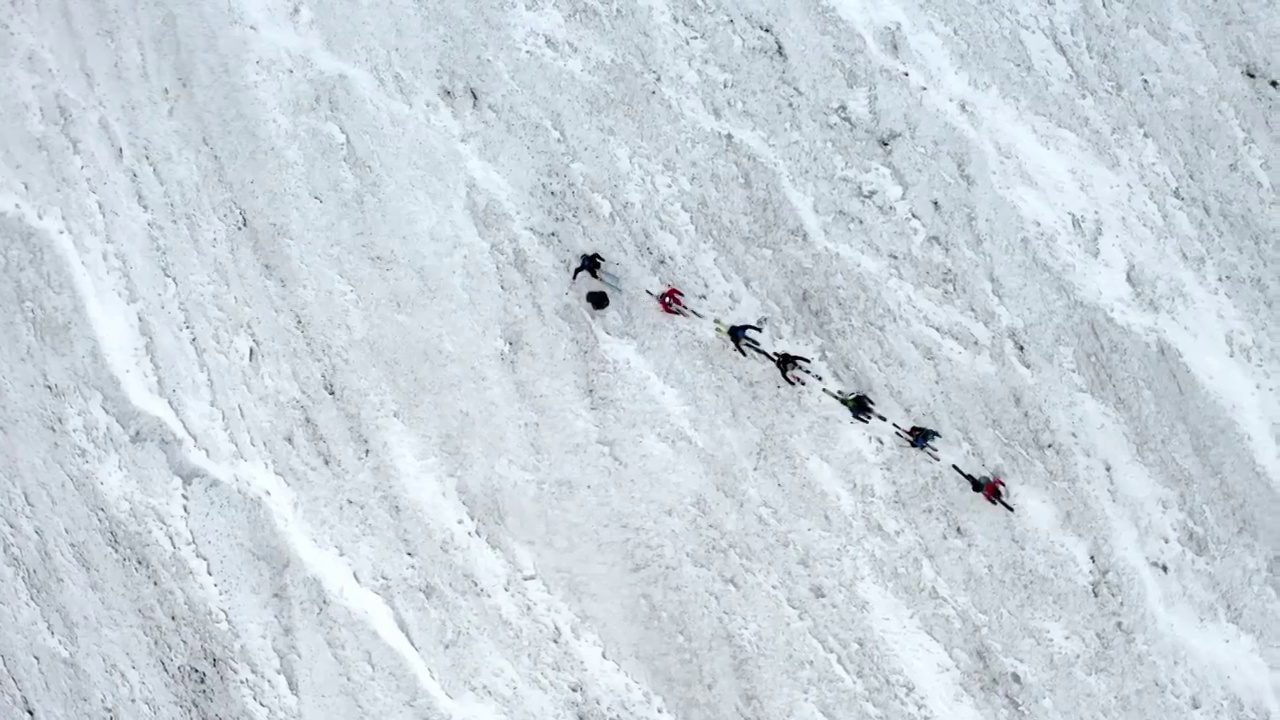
{"x": 300, "y": 416}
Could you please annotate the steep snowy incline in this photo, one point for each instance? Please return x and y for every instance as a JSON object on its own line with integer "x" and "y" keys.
{"x": 302, "y": 418}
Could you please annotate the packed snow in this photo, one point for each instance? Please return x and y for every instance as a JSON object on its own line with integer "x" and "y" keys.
{"x": 302, "y": 417}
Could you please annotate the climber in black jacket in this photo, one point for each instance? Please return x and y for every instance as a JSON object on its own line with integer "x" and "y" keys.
{"x": 589, "y": 264}
{"x": 787, "y": 362}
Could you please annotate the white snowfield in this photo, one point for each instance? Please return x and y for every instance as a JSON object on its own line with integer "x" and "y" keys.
{"x": 300, "y": 416}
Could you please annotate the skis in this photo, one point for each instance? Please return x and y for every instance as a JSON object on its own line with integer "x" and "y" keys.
{"x": 609, "y": 279}
{"x": 723, "y": 328}
{"x": 604, "y": 277}
{"x": 810, "y": 373}
{"x": 686, "y": 309}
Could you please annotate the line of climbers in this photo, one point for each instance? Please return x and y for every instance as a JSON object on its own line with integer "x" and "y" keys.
{"x": 859, "y": 405}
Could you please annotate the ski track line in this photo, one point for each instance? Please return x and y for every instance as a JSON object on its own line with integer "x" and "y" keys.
{"x": 115, "y": 330}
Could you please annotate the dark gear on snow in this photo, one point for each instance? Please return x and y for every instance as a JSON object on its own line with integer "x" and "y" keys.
{"x": 589, "y": 264}
{"x": 599, "y": 299}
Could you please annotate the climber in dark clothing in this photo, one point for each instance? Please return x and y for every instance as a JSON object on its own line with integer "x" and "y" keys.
{"x": 589, "y": 264}
{"x": 787, "y": 362}
{"x": 738, "y": 334}
{"x": 861, "y": 406}
{"x": 921, "y": 436}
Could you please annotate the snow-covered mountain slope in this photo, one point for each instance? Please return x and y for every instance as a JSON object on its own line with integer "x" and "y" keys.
{"x": 301, "y": 416}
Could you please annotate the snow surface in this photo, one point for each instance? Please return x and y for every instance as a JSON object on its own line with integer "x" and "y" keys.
{"x": 301, "y": 416}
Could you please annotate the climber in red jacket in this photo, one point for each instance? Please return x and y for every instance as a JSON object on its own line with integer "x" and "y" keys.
{"x": 672, "y": 301}
{"x": 991, "y": 487}
{"x": 992, "y": 490}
